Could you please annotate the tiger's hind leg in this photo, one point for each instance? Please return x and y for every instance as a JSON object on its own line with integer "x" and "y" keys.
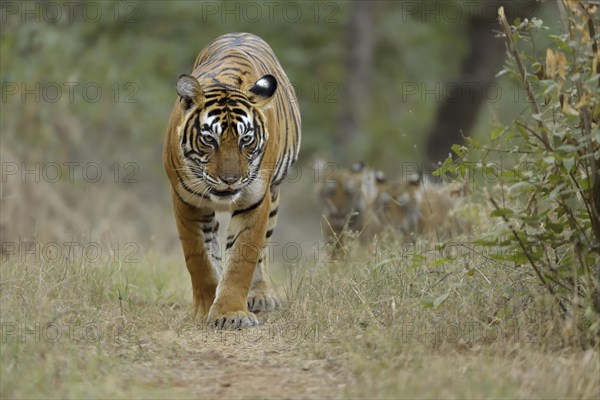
{"x": 261, "y": 296}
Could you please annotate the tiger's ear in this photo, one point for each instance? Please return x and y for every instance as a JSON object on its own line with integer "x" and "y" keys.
{"x": 358, "y": 166}
{"x": 380, "y": 177}
{"x": 189, "y": 90}
{"x": 263, "y": 90}
{"x": 415, "y": 179}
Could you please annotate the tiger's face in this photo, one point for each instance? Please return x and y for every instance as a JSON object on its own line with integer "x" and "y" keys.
{"x": 398, "y": 204}
{"x": 223, "y": 136}
{"x": 347, "y": 194}
{"x": 341, "y": 196}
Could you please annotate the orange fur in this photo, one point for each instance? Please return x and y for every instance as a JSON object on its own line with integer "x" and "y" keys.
{"x": 233, "y": 133}
{"x": 413, "y": 207}
{"x": 347, "y": 197}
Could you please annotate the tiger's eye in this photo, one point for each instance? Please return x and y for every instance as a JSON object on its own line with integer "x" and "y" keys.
{"x": 208, "y": 140}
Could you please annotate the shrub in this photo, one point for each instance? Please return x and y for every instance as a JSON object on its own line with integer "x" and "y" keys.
{"x": 548, "y": 197}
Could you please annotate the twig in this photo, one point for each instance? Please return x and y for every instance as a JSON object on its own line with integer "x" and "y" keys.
{"x": 482, "y": 274}
{"x": 337, "y": 238}
{"x": 563, "y": 17}
{"x": 537, "y": 135}
{"x": 120, "y": 301}
{"x": 489, "y": 149}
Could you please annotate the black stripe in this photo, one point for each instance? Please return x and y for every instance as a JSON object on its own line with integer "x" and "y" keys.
{"x": 232, "y": 242}
{"x": 215, "y": 112}
{"x": 229, "y": 56}
{"x": 278, "y": 181}
{"x": 273, "y": 212}
{"x": 182, "y": 200}
{"x": 238, "y": 110}
{"x": 210, "y": 103}
{"x": 175, "y": 169}
{"x": 190, "y": 124}
{"x": 274, "y": 193}
{"x": 279, "y": 167}
{"x": 242, "y": 102}
{"x": 238, "y": 70}
{"x": 206, "y": 219}
{"x": 252, "y": 207}
{"x": 269, "y": 233}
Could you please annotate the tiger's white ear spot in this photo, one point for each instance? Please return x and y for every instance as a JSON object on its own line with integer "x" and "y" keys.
{"x": 414, "y": 179}
{"x": 380, "y": 176}
{"x": 358, "y": 166}
{"x": 263, "y": 90}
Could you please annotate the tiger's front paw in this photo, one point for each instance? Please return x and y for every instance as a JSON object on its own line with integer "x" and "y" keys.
{"x": 232, "y": 319}
{"x": 262, "y": 300}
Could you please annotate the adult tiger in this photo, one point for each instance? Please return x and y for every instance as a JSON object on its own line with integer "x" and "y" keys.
{"x": 233, "y": 134}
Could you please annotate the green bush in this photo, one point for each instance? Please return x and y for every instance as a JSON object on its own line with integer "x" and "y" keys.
{"x": 547, "y": 164}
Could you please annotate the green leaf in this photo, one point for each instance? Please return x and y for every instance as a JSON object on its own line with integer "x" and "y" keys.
{"x": 568, "y": 163}
{"x": 507, "y": 291}
{"x": 517, "y": 258}
{"x": 537, "y": 117}
{"x": 441, "y": 261}
{"x": 584, "y": 183}
{"x": 593, "y": 79}
{"x": 502, "y": 212}
{"x": 440, "y": 299}
{"x": 557, "y": 228}
{"x": 497, "y": 132}
{"x": 427, "y": 302}
{"x": 502, "y": 72}
{"x": 551, "y": 87}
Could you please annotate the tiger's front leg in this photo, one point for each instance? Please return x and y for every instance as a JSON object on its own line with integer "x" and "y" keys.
{"x": 261, "y": 296}
{"x": 248, "y": 227}
{"x": 197, "y": 232}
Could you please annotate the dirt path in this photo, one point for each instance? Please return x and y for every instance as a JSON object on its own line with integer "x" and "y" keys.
{"x": 253, "y": 363}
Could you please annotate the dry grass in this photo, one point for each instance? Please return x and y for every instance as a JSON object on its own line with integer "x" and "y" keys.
{"x": 401, "y": 322}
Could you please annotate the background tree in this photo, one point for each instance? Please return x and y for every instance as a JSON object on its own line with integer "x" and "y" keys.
{"x": 356, "y": 89}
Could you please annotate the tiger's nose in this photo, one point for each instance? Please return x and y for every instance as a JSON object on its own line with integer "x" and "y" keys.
{"x": 230, "y": 178}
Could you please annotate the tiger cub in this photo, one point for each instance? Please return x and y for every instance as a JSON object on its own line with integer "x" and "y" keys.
{"x": 412, "y": 207}
{"x": 233, "y": 134}
{"x": 346, "y": 198}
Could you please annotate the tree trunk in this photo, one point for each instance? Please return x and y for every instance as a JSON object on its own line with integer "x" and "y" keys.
{"x": 356, "y": 89}
{"x": 457, "y": 114}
